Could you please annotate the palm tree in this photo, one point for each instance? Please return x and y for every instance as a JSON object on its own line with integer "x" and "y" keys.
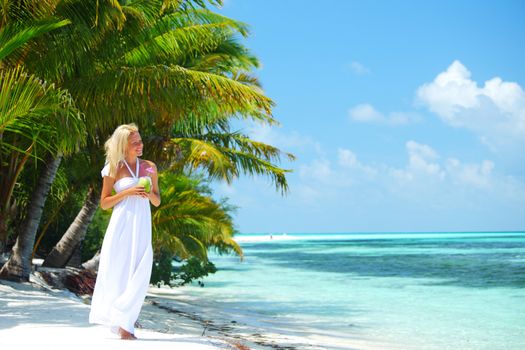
{"x": 56, "y": 57}
{"x": 79, "y": 54}
{"x": 189, "y": 221}
{"x": 187, "y": 224}
{"x": 20, "y": 93}
{"x": 34, "y": 117}
{"x": 179, "y": 67}
{"x": 21, "y": 21}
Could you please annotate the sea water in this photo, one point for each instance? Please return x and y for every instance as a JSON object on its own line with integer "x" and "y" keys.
{"x": 375, "y": 291}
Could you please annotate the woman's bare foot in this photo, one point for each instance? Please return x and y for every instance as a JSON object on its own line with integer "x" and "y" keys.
{"x": 124, "y": 334}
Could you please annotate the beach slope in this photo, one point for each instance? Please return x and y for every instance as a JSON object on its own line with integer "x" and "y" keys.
{"x": 35, "y": 318}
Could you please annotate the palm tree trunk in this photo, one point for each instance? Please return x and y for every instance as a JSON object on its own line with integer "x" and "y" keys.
{"x": 7, "y": 186}
{"x": 76, "y": 232}
{"x": 18, "y": 267}
{"x": 76, "y": 257}
{"x": 92, "y": 264}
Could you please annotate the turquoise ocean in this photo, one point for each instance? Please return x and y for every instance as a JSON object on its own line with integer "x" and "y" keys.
{"x": 374, "y": 291}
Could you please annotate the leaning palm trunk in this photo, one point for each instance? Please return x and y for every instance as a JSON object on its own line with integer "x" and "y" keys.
{"x": 76, "y": 232}
{"x": 92, "y": 264}
{"x": 18, "y": 267}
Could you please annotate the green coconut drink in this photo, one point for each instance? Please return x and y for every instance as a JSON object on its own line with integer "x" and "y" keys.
{"x": 146, "y": 182}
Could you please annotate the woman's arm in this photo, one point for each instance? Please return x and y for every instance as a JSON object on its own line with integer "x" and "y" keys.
{"x": 108, "y": 201}
{"x": 154, "y": 194}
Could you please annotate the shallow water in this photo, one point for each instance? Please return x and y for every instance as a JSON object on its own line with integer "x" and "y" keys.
{"x": 398, "y": 291}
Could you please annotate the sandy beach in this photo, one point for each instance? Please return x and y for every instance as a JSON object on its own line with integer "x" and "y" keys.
{"x": 169, "y": 317}
{"x": 56, "y": 319}
{"x": 175, "y": 311}
{"x": 36, "y": 315}
{"x": 32, "y": 316}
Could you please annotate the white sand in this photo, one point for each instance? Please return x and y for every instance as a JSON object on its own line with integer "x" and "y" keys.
{"x": 35, "y": 318}
{"x": 257, "y": 334}
{"x": 32, "y": 316}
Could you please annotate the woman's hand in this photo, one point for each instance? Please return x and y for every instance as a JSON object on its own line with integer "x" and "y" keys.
{"x": 137, "y": 191}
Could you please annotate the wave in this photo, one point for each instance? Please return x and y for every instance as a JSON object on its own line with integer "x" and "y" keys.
{"x": 257, "y": 238}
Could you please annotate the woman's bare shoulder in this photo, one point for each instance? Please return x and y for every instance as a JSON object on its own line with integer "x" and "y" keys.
{"x": 148, "y": 163}
{"x": 148, "y": 166}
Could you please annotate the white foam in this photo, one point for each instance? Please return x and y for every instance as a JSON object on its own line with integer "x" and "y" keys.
{"x": 246, "y": 238}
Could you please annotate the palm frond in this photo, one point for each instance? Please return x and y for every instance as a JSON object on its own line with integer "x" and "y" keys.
{"x": 39, "y": 111}
{"x": 226, "y": 155}
{"x": 191, "y": 218}
{"x": 253, "y": 165}
{"x": 229, "y": 58}
{"x": 175, "y": 45}
{"x": 139, "y": 92}
{"x": 199, "y": 153}
{"x": 15, "y": 36}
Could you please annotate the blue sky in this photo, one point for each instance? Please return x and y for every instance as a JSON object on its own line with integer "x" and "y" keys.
{"x": 403, "y": 115}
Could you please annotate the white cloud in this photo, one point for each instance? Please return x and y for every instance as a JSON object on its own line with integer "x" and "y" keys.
{"x": 349, "y": 171}
{"x": 496, "y": 111}
{"x": 366, "y": 113}
{"x": 425, "y": 164}
{"x": 420, "y": 150}
{"x": 318, "y": 169}
{"x": 425, "y": 168}
{"x": 307, "y": 194}
{"x": 427, "y": 187}
{"x": 421, "y": 159}
{"x": 357, "y": 68}
{"x": 478, "y": 175}
{"x": 422, "y": 163}
{"x": 286, "y": 141}
{"x": 348, "y": 160}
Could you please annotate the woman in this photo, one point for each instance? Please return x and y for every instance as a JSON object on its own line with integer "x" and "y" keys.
{"x": 126, "y": 257}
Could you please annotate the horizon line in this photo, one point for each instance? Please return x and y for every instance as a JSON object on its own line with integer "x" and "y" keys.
{"x": 374, "y": 232}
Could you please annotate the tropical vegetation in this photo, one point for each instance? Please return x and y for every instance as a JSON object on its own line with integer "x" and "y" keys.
{"x": 73, "y": 70}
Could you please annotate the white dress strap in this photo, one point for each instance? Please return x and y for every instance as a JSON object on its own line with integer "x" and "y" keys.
{"x": 136, "y": 173}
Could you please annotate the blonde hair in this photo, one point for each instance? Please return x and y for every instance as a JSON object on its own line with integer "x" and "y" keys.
{"x": 116, "y": 146}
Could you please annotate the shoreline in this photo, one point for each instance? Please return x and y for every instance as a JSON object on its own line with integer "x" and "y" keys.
{"x": 253, "y": 331}
{"x": 172, "y": 314}
{"x": 165, "y": 319}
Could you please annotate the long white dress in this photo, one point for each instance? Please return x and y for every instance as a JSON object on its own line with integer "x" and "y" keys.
{"x": 125, "y": 260}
